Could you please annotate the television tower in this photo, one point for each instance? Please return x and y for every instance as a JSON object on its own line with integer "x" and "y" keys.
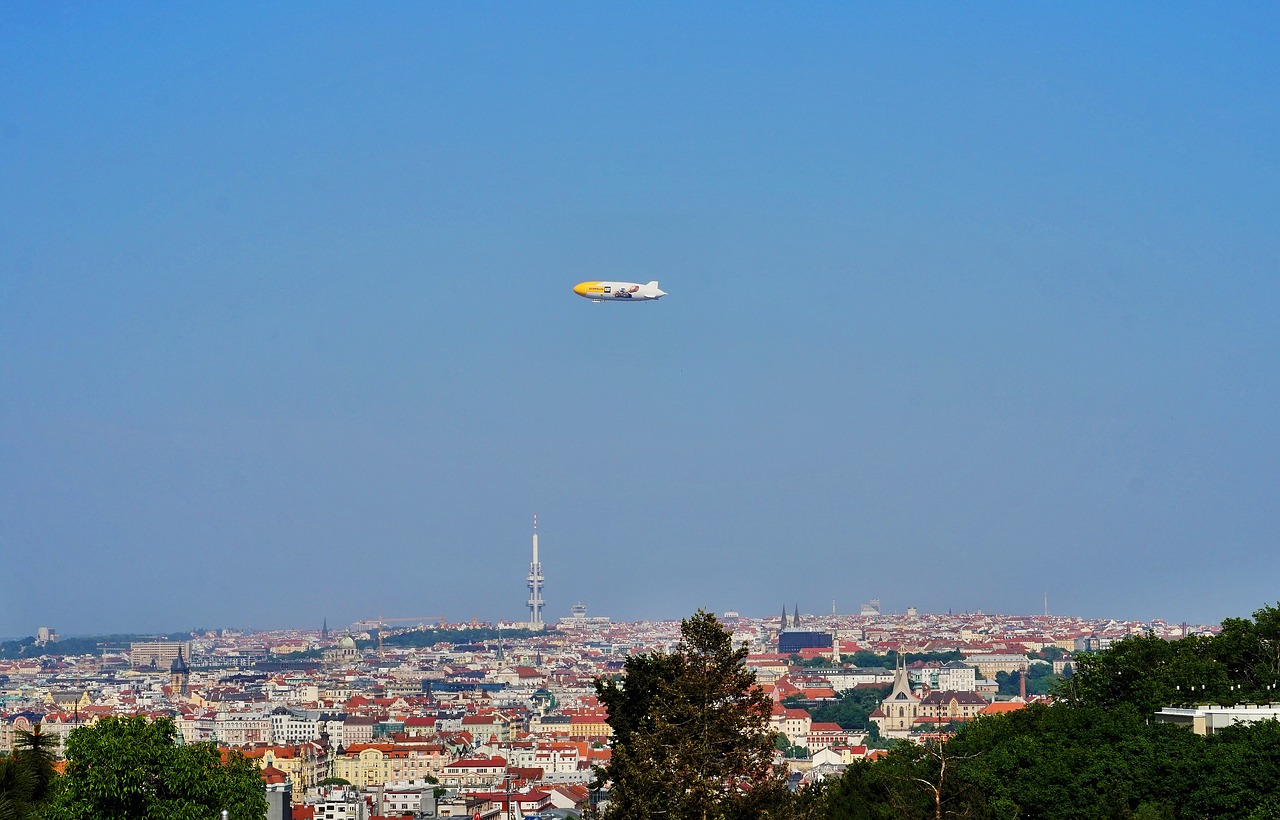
{"x": 535, "y": 582}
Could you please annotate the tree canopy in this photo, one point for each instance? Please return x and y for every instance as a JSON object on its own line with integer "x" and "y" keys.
{"x": 134, "y": 769}
{"x": 27, "y": 778}
{"x": 865, "y": 657}
{"x": 1040, "y": 680}
{"x": 28, "y": 647}
{"x": 691, "y": 733}
{"x": 1096, "y": 752}
{"x": 852, "y": 712}
{"x": 1240, "y": 664}
{"x": 428, "y": 636}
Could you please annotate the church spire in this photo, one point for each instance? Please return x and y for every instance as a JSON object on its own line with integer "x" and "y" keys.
{"x": 783, "y": 627}
{"x": 179, "y": 676}
{"x": 901, "y": 679}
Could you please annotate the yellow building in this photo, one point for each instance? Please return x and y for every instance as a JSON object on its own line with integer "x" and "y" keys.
{"x": 305, "y": 764}
{"x": 369, "y": 765}
{"x": 68, "y": 700}
{"x": 590, "y": 726}
{"x": 951, "y": 706}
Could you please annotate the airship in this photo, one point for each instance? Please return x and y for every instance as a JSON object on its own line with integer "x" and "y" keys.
{"x": 619, "y": 291}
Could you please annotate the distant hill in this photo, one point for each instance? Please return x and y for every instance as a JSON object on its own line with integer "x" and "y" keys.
{"x": 78, "y": 645}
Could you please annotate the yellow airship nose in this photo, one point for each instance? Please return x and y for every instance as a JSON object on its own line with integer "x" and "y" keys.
{"x": 581, "y": 288}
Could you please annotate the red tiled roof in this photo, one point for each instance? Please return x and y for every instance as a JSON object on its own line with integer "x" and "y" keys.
{"x": 272, "y": 775}
{"x": 578, "y": 794}
{"x": 279, "y": 752}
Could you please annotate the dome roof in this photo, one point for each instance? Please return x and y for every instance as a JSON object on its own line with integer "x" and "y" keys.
{"x": 347, "y": 642}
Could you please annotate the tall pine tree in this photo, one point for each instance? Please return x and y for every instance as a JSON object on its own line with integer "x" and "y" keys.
{"x": 691, "y": 733}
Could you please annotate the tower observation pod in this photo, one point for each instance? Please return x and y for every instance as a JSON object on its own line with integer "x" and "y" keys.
{"x": 535, "y": 583}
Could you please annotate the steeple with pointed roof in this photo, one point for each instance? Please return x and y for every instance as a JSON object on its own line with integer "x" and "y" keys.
{"x": 179, "y": 675}
{"x": 900, "y": 708}
{"x": 783, "y": 626}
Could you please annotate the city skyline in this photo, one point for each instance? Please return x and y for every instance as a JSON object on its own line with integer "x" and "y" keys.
{"x": 394, "y": 623}
{"x": 963, "y": 304}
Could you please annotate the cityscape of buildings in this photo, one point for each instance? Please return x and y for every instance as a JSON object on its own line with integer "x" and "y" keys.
{"x": 513, "y": 725}
{"x": 971, "y": 306}
{"x": 369, "y": 721}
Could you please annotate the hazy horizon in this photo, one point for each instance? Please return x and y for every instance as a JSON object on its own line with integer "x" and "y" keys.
{"x": 551, "y": 621}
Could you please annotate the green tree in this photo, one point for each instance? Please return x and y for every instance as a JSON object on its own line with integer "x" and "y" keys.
{"x": 865, "y": 657}
{"x": 1238, "y": 774}
{"x": 1040, "y": 680}
{"x": 1097, "y": 752}
{"x": 691, "y": 733}
{"x": 334, "y": 781}
{"x": 1250, "y": 650}
{"x": 134, "y": 769}
{"x": 1048, "y": 653}
{"x": 1149, "y": 673}
{"x": 819, "y": 662}
{"x": 27, "y": 777}
{"x": 16, "y": 790}
{"x": 910, "y": 782}
{"x": 852, "y": 712}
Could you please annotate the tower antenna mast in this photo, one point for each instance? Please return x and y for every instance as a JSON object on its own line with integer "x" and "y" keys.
{"x": 535, "y": 582}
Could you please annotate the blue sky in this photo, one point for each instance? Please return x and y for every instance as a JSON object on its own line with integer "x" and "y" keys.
{"x": 968, "y": 303}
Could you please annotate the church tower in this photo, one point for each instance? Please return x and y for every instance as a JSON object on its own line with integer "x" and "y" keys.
{"x": 179, "y": 676}
{"x": 898, "y": 711}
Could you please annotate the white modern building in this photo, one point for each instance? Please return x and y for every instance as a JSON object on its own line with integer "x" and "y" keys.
{"x": 1208, "y": 720}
